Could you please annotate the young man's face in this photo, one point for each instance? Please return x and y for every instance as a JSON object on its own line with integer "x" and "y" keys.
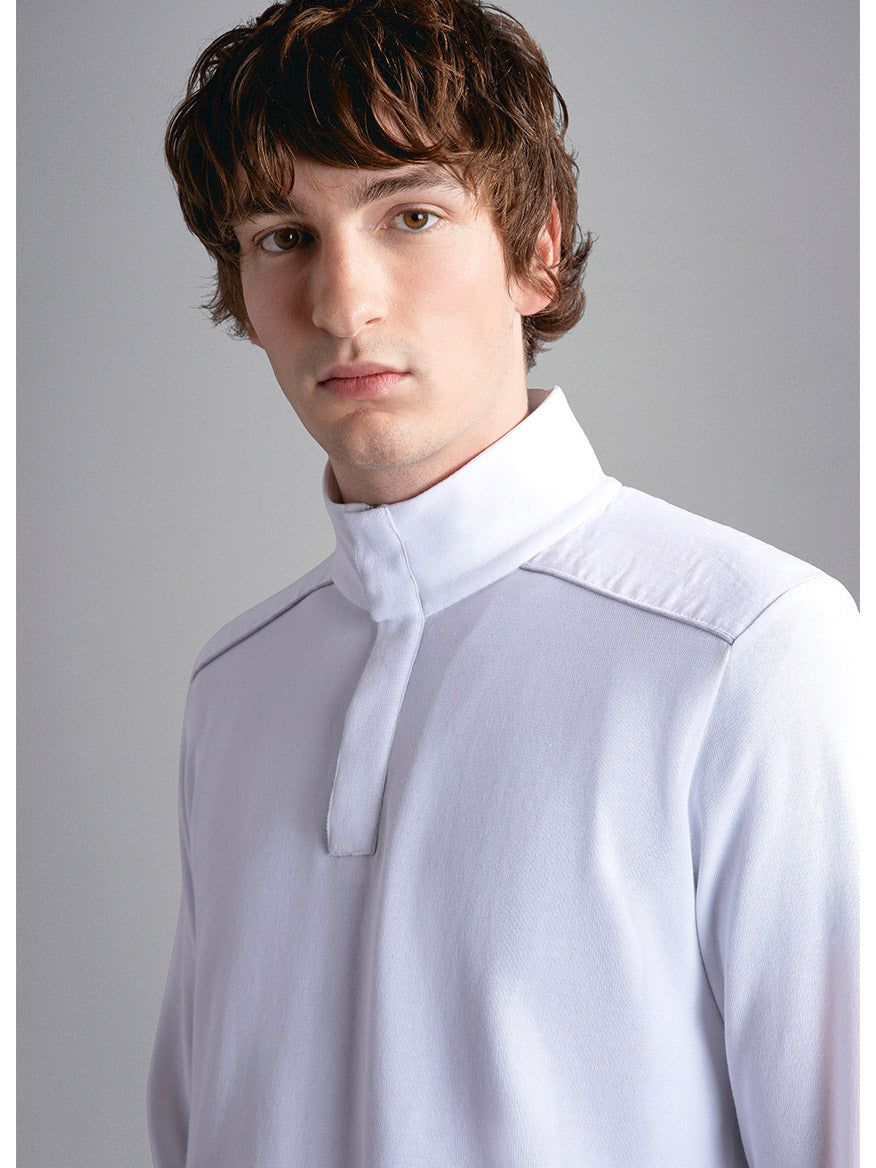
{"x": 382, "y": 302}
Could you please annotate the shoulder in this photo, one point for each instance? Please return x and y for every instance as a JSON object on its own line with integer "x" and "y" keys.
{"x": 262, "y": 614}
{"x": 657, "y": 557}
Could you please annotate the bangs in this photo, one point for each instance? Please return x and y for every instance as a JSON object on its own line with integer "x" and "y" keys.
{"x": 346, "y": 91}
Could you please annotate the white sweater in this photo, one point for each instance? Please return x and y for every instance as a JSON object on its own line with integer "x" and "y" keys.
{"x": 517, "y": 835}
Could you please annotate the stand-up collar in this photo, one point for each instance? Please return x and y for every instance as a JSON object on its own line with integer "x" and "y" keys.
{"x": 507, "y": 504}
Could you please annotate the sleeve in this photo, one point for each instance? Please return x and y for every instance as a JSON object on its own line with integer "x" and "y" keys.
{"x": 170, "y": 1071}
{"x": 776, "y": 870}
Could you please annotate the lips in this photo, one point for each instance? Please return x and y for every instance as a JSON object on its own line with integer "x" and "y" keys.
{"x": 360, "y": 381}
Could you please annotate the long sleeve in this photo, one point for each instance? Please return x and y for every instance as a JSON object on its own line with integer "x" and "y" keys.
{"x": 776, "y": 871}
{"x": 170, "y": 1072}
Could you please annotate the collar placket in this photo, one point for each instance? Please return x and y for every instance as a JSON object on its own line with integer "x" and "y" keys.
{"x": 369, "y": 727}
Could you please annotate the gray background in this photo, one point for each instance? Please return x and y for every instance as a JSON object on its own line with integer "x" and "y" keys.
{"x": 165, "y": 484}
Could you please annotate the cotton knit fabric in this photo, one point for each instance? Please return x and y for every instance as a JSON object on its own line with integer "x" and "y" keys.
{"x": 518, "y": 834}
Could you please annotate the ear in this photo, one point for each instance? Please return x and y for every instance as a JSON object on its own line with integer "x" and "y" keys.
{"x": 528, "y": 298}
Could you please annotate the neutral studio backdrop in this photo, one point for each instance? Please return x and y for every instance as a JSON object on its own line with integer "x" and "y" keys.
{"x": 165, "y": 484}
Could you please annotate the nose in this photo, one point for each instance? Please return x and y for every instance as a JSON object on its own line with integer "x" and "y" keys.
{"x": 346, "y": 287}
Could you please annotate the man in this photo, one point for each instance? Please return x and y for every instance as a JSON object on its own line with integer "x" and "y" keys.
{"x": 517, "y": 833}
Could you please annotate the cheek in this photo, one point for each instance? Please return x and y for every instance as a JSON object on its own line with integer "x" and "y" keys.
{"x": 469, "y": 292}
{"x": 267, "y": 302}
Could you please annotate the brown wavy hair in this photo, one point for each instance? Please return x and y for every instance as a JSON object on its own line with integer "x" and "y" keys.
{"x": 380, "y": 83}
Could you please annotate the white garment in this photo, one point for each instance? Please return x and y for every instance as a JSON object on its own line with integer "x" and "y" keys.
{"x": 517, "y": 835}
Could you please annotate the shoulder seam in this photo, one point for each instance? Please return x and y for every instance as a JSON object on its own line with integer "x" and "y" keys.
{"x": 257, "y": 628}
{"x": 714, "y": 630}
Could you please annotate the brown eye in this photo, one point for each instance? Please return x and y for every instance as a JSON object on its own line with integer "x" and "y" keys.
{"x": 284, "y": 239}
{"x": 416, "y": 220}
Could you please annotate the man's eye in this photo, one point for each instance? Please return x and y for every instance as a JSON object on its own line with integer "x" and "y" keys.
{"x": 416, "y": 220}
{"x": 284, "y": 239}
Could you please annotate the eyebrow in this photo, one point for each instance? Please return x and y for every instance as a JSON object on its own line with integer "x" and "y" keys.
{"x": 374, "y": 190}
{"x": 365, "y": 192}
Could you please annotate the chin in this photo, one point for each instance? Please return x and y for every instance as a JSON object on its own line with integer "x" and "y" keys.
{"x": 377, "y": 444}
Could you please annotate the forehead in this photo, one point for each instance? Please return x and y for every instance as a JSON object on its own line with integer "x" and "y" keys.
{"x": 309, "y": 183}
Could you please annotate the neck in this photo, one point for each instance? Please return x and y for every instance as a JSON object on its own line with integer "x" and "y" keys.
{"x": 379, "y": 485}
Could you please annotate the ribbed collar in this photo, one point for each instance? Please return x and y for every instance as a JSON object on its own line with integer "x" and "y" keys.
{"x": 510, "y": 502}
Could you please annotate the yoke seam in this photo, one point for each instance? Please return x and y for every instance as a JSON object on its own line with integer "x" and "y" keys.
{"x": 258, "y": 628}
{"x": 640, "y": 604}
{"x": 670, "y": 614}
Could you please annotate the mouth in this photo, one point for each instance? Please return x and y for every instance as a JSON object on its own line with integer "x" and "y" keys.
{"x": 360, "y": 381}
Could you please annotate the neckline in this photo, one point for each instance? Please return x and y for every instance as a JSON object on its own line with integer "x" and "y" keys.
{"x": 511, "y": 501}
